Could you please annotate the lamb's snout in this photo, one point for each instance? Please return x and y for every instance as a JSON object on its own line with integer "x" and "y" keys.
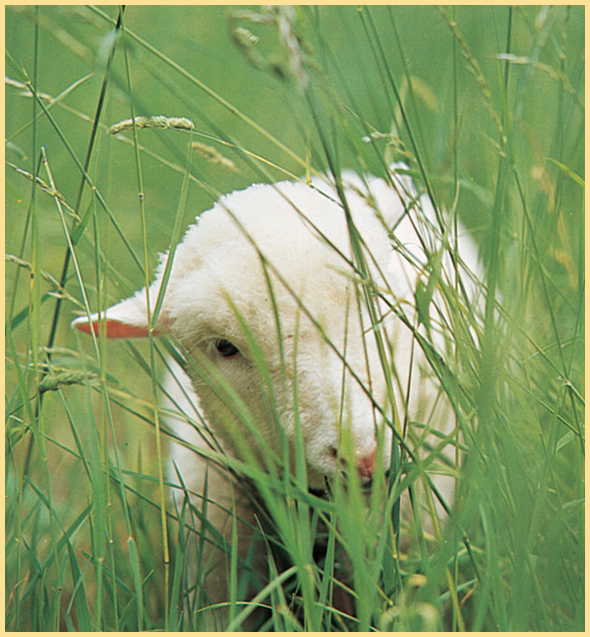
{"x": 366, "y": 465}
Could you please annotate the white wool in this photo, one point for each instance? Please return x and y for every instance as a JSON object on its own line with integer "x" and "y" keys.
{"x": 298, "y": 238}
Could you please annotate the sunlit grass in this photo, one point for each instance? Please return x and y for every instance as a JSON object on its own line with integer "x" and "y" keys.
{"x": 489, "y": 118}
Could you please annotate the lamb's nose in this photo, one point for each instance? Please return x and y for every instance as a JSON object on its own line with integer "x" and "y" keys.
{"x": 366, "y": 465}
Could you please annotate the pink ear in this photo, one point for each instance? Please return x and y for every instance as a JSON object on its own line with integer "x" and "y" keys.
{"x": 127, "y": 319}
{"x": 114, "y": 329}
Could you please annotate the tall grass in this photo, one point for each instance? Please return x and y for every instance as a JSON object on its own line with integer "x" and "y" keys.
{"x": 488, "y": 113}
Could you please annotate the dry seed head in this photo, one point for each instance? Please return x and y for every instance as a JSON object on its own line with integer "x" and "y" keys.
{"x": 157, "y": 121}
{"x": 213, "y": 156}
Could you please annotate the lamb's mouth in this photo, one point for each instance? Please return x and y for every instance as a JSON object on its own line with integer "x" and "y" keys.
{"x": 366, "y": 485}
{"x": 320, "y": 493}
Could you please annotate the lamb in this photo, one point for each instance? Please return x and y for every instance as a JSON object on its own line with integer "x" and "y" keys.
{"x": 288, "y": 300}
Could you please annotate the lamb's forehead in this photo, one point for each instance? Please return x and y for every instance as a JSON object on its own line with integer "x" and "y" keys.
{"x": 268, "y": 216}
{"x": 217, "y": 264}
{"x": 285, "y": 223}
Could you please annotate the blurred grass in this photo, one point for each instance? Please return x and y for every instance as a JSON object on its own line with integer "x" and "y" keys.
{"x": 488, "y": 112}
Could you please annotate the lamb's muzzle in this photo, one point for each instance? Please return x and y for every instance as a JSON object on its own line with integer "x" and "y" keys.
{"x": 366, "y": 465}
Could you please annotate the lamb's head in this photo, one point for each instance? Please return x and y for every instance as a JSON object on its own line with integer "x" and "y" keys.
{"x": 270, "y": 306}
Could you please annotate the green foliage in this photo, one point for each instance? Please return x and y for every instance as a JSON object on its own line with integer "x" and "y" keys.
{"x": 485, "y": 105}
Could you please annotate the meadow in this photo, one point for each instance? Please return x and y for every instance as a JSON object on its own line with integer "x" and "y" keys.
{"x": 485, "y": 105}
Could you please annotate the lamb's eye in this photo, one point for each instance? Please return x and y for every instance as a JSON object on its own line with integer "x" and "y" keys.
{"x": 226, "y": 349}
